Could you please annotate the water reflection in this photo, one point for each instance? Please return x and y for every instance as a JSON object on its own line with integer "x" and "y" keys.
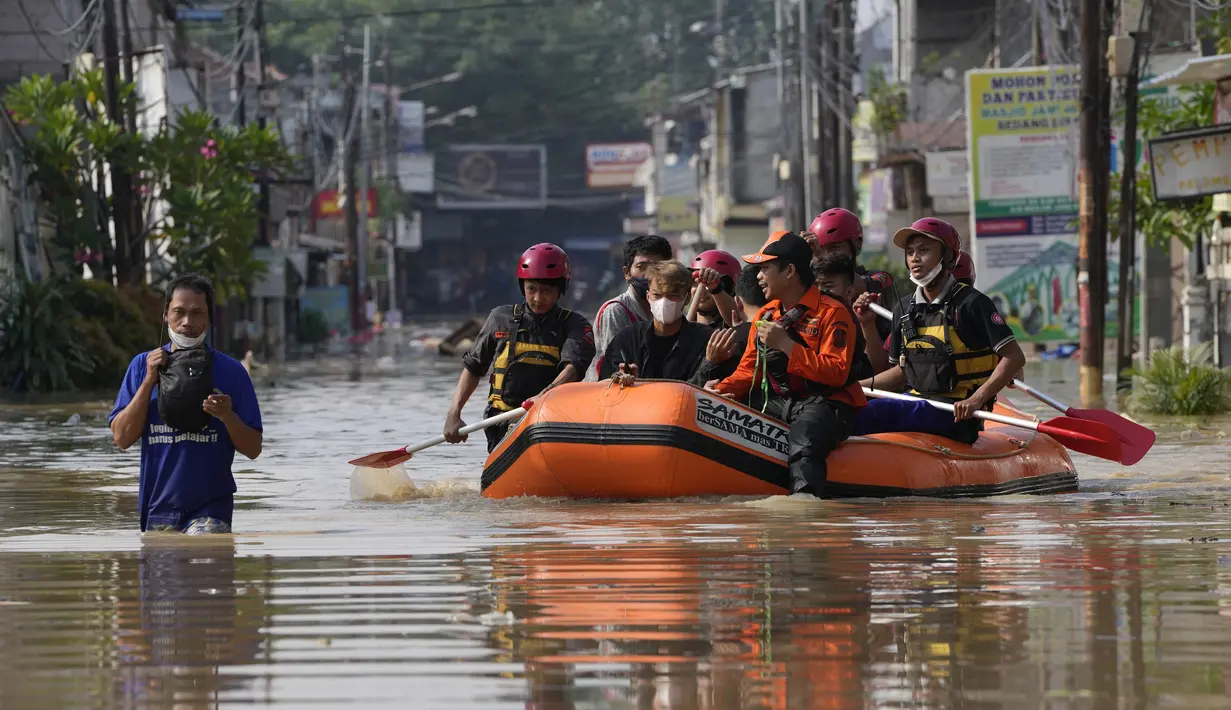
{"x": 191, "y": 616}
{"x": 1118, "y": 597}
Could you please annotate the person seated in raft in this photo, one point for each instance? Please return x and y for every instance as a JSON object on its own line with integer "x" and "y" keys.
{"x": 749, "y": 298}
{"x": 667, "y": 347}
{"x": 949, "y": 343}
{"x": 839, "y": 231}
{"x": 630, "y": 306}
{"x": 716, "y": 271}
{"x": 836, "y": 276}
{"x": 964, "y": 269}
{"x": 531, "y": 347}
{"x": 798, "y": 362}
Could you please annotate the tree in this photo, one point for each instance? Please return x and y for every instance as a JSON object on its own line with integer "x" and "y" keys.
{"x": 1157, "y": 220}
{"x": 194, "y": 181}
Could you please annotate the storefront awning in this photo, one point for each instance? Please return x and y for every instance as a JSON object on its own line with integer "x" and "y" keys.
{"x": 1195, "y": 71}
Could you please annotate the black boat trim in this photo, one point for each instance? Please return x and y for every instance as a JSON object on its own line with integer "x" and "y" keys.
{"x": 770, "y": 472}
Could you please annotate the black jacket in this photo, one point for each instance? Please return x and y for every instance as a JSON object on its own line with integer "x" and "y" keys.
{"x": 632, "y": 346}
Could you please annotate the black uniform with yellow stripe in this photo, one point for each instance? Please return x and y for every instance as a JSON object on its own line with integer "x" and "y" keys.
{"x": 525, "y": 353}
{"x": 948, "y": 348}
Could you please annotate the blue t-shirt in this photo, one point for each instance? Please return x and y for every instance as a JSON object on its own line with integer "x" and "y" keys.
{"x": 187, "y": 475}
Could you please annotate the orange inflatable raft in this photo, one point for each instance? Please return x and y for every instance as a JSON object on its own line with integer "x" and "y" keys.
{"x": 661, "y": 439}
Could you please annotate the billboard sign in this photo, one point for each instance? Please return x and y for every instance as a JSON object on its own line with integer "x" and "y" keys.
{"x": 1192, "y": 163}
{"x": 410, "y": 127}
{"x": 491, "y": 177}
{"x": 615, "y": 164}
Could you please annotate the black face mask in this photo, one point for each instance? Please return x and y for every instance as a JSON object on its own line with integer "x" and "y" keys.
{"x": 641, "y": 286}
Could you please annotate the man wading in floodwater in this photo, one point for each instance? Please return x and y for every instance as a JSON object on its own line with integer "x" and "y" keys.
{"x": 192, "y": 408}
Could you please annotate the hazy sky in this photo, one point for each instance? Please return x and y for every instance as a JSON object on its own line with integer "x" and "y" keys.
{"x": 869, "y": 11}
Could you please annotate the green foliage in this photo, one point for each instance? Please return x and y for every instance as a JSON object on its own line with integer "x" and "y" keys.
{"x": 1160, "y": 221}
{"x": 313, "y": 328}
{"x": 200, "y": 173}
{"x": 67, "y": 134}
{"x": 1176, "y": 383}
{"x": 896, "y": 268}
{"x": 889, "y": 109}
{"x": 121, "y": 318}
{"x": 69, "y": 334}
{"x": 39, "y": 351}
{"x": 204, "y": 173}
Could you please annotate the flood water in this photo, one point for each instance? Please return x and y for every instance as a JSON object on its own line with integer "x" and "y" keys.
{"x": 1115, "y": 597}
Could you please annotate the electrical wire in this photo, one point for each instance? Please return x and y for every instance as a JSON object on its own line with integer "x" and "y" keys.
{"x": 36, "y": 32}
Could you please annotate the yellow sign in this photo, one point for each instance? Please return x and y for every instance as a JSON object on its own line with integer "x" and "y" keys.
{"x": 677, "y": 214}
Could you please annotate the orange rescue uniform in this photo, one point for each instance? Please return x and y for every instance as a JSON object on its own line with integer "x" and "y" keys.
{"x": 814, "y": 389}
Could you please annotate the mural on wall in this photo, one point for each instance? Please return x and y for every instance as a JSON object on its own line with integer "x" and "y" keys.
{"x": 1035, "y": 286}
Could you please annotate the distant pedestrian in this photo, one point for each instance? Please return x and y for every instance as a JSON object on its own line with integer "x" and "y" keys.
{"x": 192, "y": 407}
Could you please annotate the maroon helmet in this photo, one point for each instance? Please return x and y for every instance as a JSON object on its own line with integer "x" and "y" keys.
{"x": 543, "y": 262}
{"x": 723, "y": 262}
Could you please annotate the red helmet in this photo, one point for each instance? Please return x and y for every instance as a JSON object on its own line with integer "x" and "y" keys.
{"x": 836, "y": 225}
{"x": 933, "y": 228}
{"x": 964, "y": 269}
{"x": 723, "y": 262}
{"x": 543, "y": 262}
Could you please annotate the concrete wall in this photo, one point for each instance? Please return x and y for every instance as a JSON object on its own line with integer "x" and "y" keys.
{"x": 939, "y": 35}
{"x": 753, "y": 174}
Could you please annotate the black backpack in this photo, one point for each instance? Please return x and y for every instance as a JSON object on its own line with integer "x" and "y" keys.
{"x": 184, "y": 383}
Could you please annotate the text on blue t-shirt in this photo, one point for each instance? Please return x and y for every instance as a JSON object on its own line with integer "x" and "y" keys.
{"x": 186, "y": 475}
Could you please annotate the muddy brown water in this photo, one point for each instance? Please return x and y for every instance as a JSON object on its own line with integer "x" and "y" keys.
{"x": 1115, "y": 597}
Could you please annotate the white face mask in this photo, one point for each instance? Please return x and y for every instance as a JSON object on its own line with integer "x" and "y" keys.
{"x": 183, "y": 342}
{"x": 931, "y": 276}
{"x": 666, "y": 311}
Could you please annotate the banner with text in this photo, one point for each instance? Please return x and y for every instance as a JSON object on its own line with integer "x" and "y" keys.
{"x": 1022, "y": 148}
{"x": 491, "y": 177}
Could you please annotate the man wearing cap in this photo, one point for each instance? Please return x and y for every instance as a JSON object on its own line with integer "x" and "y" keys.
{"x": 949, "y": 343}
{"x": 798, "y": 362}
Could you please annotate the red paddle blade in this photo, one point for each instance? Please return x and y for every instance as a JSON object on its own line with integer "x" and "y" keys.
{"x": 1135, "y": 440}
{"x": 383, "y": 459}
{"x": 1083, "y": 436}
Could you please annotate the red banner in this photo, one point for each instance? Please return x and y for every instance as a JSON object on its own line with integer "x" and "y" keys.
{"x": 326, "y": 205}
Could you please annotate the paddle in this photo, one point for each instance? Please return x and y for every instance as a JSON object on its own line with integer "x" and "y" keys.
{"x": 1092, "y": 438}
{"x": 695, "y": 303}
{"x": 393, "y": 457}
{"x": 1135, "y": 440}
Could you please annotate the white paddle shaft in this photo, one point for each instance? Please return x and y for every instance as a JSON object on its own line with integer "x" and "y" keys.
{"x": 469, "y": 429}
{"x": 989, "y": 416}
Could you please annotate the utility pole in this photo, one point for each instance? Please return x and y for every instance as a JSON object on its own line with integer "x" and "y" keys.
{"x": 845, "y": 192}
{"x": 262, "y": 51}
{"x": 136, "y": 214}
{"x": 804, "y": 59}
{"x": 314, "y": 107}
{"x": 388, "y": 161}
{"x": 365, "y": 173}
{"x": 347, "y": 193}
{"x": 1036, "y": 33}
{"x": 1128, "y": 207}
{"x": 241, "y": 36}
{"x": 121, "y": 188}
{"x": 1092, "y": 251}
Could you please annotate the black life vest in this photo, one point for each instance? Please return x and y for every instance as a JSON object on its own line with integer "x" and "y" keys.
{"x": 784, "y": 384}
{"x": 527, "y": 361}
{"x": 936, "y": 361}
{"x": 184, "y": 383}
